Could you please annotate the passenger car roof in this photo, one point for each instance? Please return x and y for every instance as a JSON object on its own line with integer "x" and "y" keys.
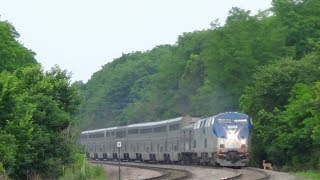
{"x": 155, "y": 123}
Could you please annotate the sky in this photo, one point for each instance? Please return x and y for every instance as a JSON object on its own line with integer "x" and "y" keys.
{"x": 81, "y": 35}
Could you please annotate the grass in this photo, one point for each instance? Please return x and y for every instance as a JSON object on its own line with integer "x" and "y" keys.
{"x": 83, "y": 170}
{"x": 92, "y": 172}
{"x": 309, "y": 174}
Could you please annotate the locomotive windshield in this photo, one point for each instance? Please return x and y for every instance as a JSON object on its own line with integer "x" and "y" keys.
{"x": 240, "y": 121}
{"x": 231, "y": 121}
{"x": 224, "y": 121}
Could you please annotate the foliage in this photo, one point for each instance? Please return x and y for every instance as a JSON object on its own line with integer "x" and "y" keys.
{"x": 13, "y": 55}
{"x": 36, "y": 121}
{"x": 300, "y": 18}
{"x": 284, "y": 101}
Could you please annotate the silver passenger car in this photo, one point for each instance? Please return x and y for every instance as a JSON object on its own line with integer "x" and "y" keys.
{"x": 152, "y": 141}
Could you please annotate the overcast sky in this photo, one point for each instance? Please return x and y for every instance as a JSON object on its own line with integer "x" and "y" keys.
{"x": 81, "y": 35}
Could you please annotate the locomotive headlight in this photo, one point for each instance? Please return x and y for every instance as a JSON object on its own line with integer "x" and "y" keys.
{"x": 232, "y": 135}
{"x": 243, "y": 141}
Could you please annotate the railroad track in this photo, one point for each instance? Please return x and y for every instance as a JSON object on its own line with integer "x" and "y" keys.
{"x": 250, "y": 173}
{"x": 166, "y": 173}
{"x": 194, "y": 172}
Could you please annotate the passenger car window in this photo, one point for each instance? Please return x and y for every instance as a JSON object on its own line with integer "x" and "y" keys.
{"x": 174, "y": 127}
{"x": 120, "y": 134}
{"x": 144, "y": 131}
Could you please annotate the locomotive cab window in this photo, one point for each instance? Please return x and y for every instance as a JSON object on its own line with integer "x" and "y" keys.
{"x": 212, "y": 121}
{"x": 204, "y": 123}
{"x": 208, "y": 122}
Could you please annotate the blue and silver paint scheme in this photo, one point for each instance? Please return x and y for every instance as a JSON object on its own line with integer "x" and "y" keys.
{"x": 233, "y": 131}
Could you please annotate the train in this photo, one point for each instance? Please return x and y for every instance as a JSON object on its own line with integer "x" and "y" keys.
{"x": 219, "y": 140}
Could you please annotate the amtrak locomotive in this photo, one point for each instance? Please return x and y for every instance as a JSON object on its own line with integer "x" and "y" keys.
{"x": 220, "y": 140}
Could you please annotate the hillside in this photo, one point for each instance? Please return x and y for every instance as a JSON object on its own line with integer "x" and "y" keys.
{"x": 265, "y": 65}
{"x": 205, "y": 72}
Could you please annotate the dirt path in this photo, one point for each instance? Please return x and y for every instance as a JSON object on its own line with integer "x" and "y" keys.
{"x": 274, "y": 175}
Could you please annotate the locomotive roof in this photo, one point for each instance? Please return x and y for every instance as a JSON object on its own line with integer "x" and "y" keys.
{"x": 232, "y": 115}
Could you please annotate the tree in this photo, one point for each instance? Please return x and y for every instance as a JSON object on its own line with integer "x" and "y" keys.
{"x": 38, "y": 122}
{"x": 301, "y": 21}
{"x": 13, "y": 55}
{"x": 283, "y": 101}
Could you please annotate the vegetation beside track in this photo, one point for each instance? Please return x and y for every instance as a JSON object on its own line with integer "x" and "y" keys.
{"x": 311, "y": 175}
{"x": 83, "y": 170}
